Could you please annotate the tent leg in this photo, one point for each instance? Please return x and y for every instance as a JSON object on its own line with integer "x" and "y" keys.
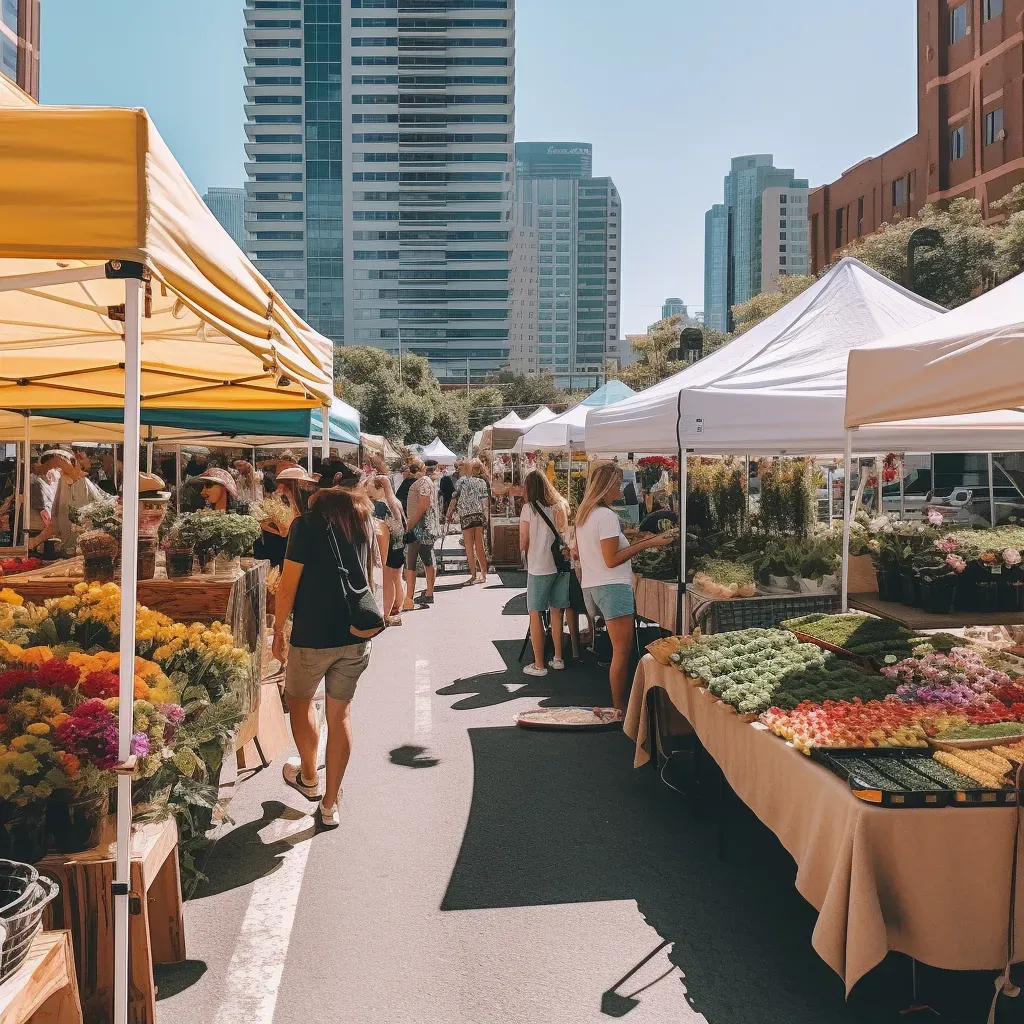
{"x": 129, "y": 568}
{"x": 309, "y": 455}
{"x": 847, "y": 513}
{"x": 903, "y": 493}
{"x": 177, "y": 479}
{"x": 26, "y": 483}
{"x": 325, "y": 450}
{"x": 681, "y": 583}
{"x": 149, "y": 456}
{"x": 991, "y": 492}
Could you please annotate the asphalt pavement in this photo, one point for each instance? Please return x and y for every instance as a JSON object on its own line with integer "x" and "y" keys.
{"x": 483, "y": 874}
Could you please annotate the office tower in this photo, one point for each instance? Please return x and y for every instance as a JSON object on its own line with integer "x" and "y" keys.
{"x": 522, "y": 283}
{"x": 673, "y": 307}
{"x": 785, "y": 235}
{"x": 733, "y": 270}
{"x": 19, "y": 44}
{"x": 578, "y": 222}
{"x": 228, "y": 206}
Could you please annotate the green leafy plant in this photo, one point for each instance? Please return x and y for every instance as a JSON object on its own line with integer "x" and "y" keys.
{"x": 224, "y": 533}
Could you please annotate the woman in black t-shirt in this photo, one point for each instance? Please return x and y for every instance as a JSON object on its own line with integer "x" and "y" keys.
{"x": 322, "y": 645}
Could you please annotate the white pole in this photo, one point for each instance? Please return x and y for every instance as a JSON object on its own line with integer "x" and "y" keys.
{"x": 309, "y": 454}
{"x": 325, "y": 451}
{"x": 681, "y": 626}
{"x": 828, "y": 489}
{"x": 149, "y": 456}
{"x": 847, "y": 513}
{"x": 177, "y": 478}
{"x": 26, "y": 483}
{"x": 129, "y": 566}
{"x": 903, "y": 493}
{"x": 991, "y": 493}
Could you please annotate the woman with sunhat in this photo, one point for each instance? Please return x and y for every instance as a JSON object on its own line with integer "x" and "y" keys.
{"x": 219, "y": 490}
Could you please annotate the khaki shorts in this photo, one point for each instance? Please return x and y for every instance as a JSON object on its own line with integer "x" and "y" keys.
{"x": 339, "y": 667}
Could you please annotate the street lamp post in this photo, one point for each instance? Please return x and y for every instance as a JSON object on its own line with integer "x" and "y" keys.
{"x": 921, "y": 238}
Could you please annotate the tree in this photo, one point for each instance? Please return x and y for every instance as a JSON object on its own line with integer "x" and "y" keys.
{"x": 655, "y": 348}
{"x": 951, "y": 274}
{"x": 750, "y": 313}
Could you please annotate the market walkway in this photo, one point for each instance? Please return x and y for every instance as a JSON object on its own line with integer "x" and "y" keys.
{"x": 485, "y": 874}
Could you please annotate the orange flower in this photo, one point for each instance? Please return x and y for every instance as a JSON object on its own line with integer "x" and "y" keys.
{"x": 35, "y": 655}
{"x": 988, "y": 557}
{"x": 70, "y": 764}
{"x": 141, "y": 689}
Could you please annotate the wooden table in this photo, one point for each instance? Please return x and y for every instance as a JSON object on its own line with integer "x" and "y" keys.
{"x": 916, "y": 618}
{"x": 43, "y": 990}
{"x": 85, "y": 906}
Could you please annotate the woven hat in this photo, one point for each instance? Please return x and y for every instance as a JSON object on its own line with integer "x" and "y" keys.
{"x": 222, "y": 477}
{"x": 295, "y": 473}
{"x": 58, "y": 453}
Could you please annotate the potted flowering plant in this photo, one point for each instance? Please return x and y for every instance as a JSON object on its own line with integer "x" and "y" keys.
{"x": 1011, "y": 585}
{"x": 179, "y": 538}
{"x": 30, "y": 771}
{"x": 938, "y": 574}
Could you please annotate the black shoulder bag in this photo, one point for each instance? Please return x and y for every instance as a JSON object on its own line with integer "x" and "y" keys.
{"x": 562, "y": 563}
{"x": 365, "y": 619}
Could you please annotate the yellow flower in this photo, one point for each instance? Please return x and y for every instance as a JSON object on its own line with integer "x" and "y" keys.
{"x": 38, "y": 729}
{"x": 36, "y": 655}
{"x": 8, "y": 596}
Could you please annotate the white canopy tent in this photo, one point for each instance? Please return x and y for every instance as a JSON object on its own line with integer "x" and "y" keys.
{"x": 953, "y": 384}
{"x": 568, "y": 429}
{"x": 779, "y": 388}
{"x": 119, "y": 289}
{"x": 503, "y": 435}
{"x": 440, "y": 452}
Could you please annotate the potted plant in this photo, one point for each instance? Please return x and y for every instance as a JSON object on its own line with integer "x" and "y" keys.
{"x": 30, "y": 771}
{"x": 817, "y": 566}
{"x": 100, "y": 552}
{"x": 938, "y": 575}
{"x": 76, "y": 812}
{"x": 223, "y": 537}
{"x": 1011, "y": 583}
{"x": 179, "y": 536}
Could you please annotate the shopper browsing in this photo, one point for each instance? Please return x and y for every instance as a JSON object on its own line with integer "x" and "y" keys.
{"x": 469, "y": 501}
{"x": 391, "y": 532}
{"x": 73, "y": 490}
{"x": 607, "y": 571}
{"x": 542, "y": 527}
{"x": 422, "y": 532}
{"x": 323, "y": 645}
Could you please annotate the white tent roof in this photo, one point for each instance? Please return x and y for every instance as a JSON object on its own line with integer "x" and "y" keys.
{"x": 967, "y": 365}
{"x": 541, "y": 415}
{"x": 778, "y": 388}
{"x": 511, "y": 419}
{"x": 438, "y": 450}
{"x": 569, "y": 427}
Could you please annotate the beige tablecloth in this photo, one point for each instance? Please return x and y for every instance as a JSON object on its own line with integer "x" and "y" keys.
{"x": 656, "y": 601}
{"x": 933, "y": 884}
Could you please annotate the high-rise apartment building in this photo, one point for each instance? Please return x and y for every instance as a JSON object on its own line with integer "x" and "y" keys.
{"x": 734, "y": 273}
{"x": 522, "y": 287}
{"x": 673, "y": 307}
{"x": 578, "y": 221}
{"x": 785, "y": 237}
{"x": 228, "y": 206}
{"x": 380, "y": 182}
{"x": 19, "y": 44}
{"x": 970, "y": 128}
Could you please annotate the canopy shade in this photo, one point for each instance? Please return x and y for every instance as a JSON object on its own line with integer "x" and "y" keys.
{"x": 569, "y": 427}
{"x": 439, "y": 451}
{"x": 966, "y": 367}
{"x": 779, "y": 388}
{"x": 503, "y": 435}
{"x": 378, "y": 444}
{"x": 87, "y": 194}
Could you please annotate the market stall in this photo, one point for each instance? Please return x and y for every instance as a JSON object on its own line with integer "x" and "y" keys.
{"x": 118, "y": 289}
{"x": 440, "y": 453}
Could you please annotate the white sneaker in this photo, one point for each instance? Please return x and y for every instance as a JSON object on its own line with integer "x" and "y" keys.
{"x": 532, "y": 670}
{"x": 291, "y": 771}
{"x": 557, "y": 664}
{"x": 329, "y": 818}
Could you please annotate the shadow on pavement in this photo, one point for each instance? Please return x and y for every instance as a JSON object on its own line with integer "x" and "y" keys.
{"x": 241, "y": 856}
{"x": 516, "y": 605}
{"x": 174, "y": 978}
{"x": 410, "y": 756}
{"x": 512, "y": 579}
{"x": 564, "y": 818}
{"x": 585, "y": 685}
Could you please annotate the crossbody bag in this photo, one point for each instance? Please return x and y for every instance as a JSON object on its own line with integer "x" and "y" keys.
{"x": 365, "y": 619}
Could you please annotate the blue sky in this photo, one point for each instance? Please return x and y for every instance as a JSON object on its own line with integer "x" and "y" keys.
{"x": 666, "y": 90}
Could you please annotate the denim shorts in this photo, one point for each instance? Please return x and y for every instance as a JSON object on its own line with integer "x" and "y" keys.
{"x": 548, "y": 591}
{"x": 614, "y": 600}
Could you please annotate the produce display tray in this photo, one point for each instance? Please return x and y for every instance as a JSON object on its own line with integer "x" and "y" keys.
{"x": 905, "y": 777}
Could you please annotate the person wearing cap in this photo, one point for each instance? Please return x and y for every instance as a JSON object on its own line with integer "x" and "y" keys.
{"x": 219, "y": 491}
{"x": 74, "y": 489}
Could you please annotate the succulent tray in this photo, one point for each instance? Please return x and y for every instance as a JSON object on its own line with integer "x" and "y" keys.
{"x": 908, "y": 778}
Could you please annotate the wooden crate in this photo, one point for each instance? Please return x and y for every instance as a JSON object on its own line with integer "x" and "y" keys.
{"x": 85, "y": 907}
{"x": 44, "y": 989}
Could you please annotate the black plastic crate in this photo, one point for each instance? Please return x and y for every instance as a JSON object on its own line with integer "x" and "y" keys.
{"x": 757, "y": 612}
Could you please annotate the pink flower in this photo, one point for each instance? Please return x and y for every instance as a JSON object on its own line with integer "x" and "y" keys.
{"x": 947, "y": 544}
{"x": 956, "y": 563}
{"x": 1011, "y": 556}
{"x": 935, "y": 517}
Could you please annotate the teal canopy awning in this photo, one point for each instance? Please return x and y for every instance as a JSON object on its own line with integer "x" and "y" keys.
{"x": 247, "y": 427}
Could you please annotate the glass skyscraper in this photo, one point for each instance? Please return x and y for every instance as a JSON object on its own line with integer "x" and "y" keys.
{"x": 380, "y": 137}
{"x": 228, "y": 206}
{"x": 733, "y": 275}
{"x": 578, "y": 220}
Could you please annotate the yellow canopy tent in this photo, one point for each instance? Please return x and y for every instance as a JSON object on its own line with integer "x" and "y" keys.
{"x": 118, "y": 288}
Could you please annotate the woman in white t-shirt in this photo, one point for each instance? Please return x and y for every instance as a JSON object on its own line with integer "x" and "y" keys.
{"x": 607, "y": 573}
{"x": 546, "y": 587}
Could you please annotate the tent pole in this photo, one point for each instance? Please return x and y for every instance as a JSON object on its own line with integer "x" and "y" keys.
{"x": 828, "y": 490}
{"x": 309, "y": 454}
{"x": 847, "y": 487}
{"x": 903, "y": 493}
{"x": 177, "y": 478}
{"x": 26, "y": 483}
{"x": 149, "y": 455}
{"x": 325, "y": 451}
{"x": 746, "y": 487}
{"x": 681, "y": 581}
{"x": 991, "y": 492}
{"x": 17, "y": 501}
{"x": 129, "y": 568}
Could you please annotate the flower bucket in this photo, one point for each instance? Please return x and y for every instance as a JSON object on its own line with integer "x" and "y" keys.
{"x": 147, "y": 558}
{"x": 823, "y": 586}
{"x": 883, "y": 586}
{"x": 938, "y": 597}
{"x": 781, "y": 582}
{"x": 909, "y": 589}
{"x": 1011, "y": 596}
{"x": 76, "y": 825}
{"x": 225, "y": 566}
{"x": 99, "y": 568}
{"x": 985, "y": 596}
{"x": 179, "y": 563}
{"x": 893, "y": 583}
{"x": 23, "y": 834}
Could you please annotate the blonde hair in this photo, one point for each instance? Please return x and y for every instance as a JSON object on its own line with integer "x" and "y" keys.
{"x": 476, "y": 468}
{"x": 603, "y": 477}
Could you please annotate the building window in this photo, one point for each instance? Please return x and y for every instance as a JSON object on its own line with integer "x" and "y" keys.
{"x": 782, "y": 248}
{"x": 783, "y": 199}
{"x": 957, "y": 24}
{"x": 860, "y": 216}
{"x": 782, "y": 261}
{"x": 899, "y": 191}
{"x": 993, "y": 8}
{"x": 782, "y": 236}
{"x": 839, "y": 229}
{"x": 958, "y": 142}
{"x": 994, "y": 126}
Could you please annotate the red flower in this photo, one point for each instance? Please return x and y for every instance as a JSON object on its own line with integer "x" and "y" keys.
{"x": 100, "y": 685}
{"x": 15, "y": 679}
{"x": 56, "y": 674}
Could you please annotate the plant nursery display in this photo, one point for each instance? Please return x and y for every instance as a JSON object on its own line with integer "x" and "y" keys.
{"x": 10, "y": 566}
{"x": 866, "y": 636}
{"x": 59, "y": 685}
{"x": 725, "y": 580}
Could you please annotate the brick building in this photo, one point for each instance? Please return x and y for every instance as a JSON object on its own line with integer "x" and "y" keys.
{"x": 970, "y": 140}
